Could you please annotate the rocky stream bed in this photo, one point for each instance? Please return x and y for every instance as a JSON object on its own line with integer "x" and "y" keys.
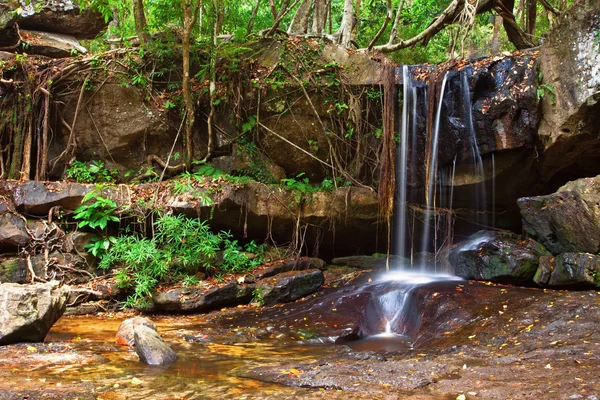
{"x": 472, "y": 339}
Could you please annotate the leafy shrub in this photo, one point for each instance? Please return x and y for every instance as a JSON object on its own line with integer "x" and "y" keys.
{"x": 96, "y": 212}
{"x": 91, "y": 172}
{"x": 180, "y": 247}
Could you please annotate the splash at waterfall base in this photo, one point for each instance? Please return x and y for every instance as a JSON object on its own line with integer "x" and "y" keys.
{"x": 482, "y": 341}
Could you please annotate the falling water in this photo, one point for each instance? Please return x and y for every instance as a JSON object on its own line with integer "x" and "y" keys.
{"x": 402, "y": 166}
{"x": 430, "y": 199}
{"x": 476, "y": 161}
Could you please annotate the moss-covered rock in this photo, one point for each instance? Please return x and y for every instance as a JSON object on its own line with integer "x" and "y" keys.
{"x": 566, "y": 221}
{"x": 569, "y": 269}
{"x": 497, "y": 256}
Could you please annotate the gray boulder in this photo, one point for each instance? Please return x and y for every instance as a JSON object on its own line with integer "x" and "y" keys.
{"x": 568, "y": 269}
{"x": 566, "y": 221}
{"x": 27, "y": 312}
{"x": 150, "y": 347}
{"x": 13, "y": 232}
{"x": 125, "y": 334}
{"x": 496, "y": 256}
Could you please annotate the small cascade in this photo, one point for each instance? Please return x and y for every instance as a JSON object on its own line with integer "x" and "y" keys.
{"x": 392, "y": 318}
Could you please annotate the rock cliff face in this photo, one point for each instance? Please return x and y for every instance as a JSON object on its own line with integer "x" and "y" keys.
{"x": 570, "y": 125}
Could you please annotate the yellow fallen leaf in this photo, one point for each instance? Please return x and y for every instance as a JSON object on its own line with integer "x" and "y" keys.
{"x": 295, "y": 371}
{"x": 31, "y": 348}
{"x": 136, "y": 381}
{"x": 461, "y": 397}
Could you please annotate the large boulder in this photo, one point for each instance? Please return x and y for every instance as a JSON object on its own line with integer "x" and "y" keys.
{"x": 570, "y": 125}
{"x": 27, "y": 312}
{"x": 58, "y": 16}
{"x": 120, "y": 128}
{"x": 496, "y": 256}
{"x": 568, "y": 220}
{"x": 569, "y": 269}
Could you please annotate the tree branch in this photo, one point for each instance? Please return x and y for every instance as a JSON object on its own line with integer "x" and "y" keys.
{"x": 436, "y": 26}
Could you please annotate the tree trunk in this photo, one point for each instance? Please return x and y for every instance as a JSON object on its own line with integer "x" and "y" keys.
{"x": 141, "y": 26}
{"x": 319, "y": 16}
{"x": 190, "y": 16}
{"x": 531, "y": 17}
{"x": 345, "y": 32}
{"x": 495, "y": 44}
{"x": 299, "y": 23}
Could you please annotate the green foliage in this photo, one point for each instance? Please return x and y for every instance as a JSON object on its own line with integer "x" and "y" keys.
{"x": 180, "y": 247}
{"x": 91, "y": 172}
{"x": 96, "y": 211}
{"x": 257, "y": 296}
{"x": 303, "y": 190}
{"x": 545, "y": 89}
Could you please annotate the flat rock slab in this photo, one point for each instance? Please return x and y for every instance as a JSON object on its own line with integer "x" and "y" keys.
{"x": 150, "y": 347}
{"x": 27, "y": 312}
{"x": 289, "y": 286}
{"x": 370, "y": 262}
{"x": 289, "y": 265}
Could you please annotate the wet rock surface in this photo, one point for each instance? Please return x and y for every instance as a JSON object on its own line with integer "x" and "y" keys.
{"x": 481, "y": 341}
{"x": 497, "y": 256}
{"x": 569, "y": 269}
{"x": 565, "y": 221}
{"x": 125, "y": 334}
{"x": 150, "y": 347}
{"x": 27, "y": 312}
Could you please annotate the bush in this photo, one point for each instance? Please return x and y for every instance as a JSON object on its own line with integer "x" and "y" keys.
{"x": 180, "y": 247}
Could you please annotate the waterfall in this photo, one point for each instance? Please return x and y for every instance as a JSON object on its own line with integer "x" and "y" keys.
{"x": 476, "y": 161}
{"x": 432, "y": 162}
{"x": 401, "y": 163}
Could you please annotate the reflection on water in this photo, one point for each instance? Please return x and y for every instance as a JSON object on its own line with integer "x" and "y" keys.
{"x": 203, "y": 370}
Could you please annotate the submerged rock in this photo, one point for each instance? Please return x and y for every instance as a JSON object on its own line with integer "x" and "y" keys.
{"x": 568, "y": 269}
{"x": 27, "y": 312}
{"x": 497, "y": 256}
{"x": 125, "y": 334}
{"x": 150, "y": 347}
{"x": 568, "y": 220}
